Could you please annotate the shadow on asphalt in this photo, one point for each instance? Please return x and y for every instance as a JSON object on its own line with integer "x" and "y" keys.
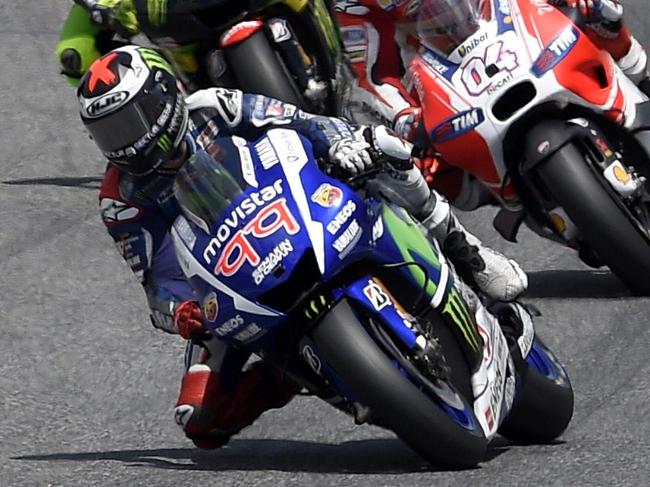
{"x": 379, "y": 456}
{"x": 575, "y": 284}
{"x": 85, "y": 182}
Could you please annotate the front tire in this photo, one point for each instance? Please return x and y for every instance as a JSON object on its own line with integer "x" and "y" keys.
{"x": 603, "y": 222}
{"x": 396, "y": 401}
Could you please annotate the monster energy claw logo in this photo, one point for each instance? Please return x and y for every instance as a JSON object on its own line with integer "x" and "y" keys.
{"x": 154, "y": 60}
{"x": 164, "y": 143}
{"x": 457, "y": 310}
{"x": 316, "y": 307}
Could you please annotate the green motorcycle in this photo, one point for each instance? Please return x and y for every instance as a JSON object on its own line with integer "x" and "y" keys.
{"x": 285, "y": 49}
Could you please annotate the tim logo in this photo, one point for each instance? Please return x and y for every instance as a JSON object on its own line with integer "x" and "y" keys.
{"x": 458, "y": 125}
{"x": 556, "y": 51}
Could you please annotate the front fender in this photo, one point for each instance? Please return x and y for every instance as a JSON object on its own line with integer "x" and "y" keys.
{"x": 545, "y": 139}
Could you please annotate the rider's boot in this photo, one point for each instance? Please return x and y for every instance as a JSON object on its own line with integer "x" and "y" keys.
{"x": 211, "y": 412}
{"x": 516, "y": 323}
{"x": 483, "y": 268}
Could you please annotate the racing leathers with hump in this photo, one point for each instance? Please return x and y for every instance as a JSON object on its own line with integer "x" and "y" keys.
{"x": 133, "y": 107}
{"x": 381, "y": 37}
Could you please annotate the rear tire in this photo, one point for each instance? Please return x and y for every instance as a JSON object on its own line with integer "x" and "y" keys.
{"x": 397, "y": 402}
{"x": 602, "y": 222}
{"x": 543, "y": 404}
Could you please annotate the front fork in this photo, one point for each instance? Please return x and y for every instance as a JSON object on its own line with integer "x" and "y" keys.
{"x": 621, "y": 176}
{"x": 299, "y": 63}
{"x": 281, "y": 34}
{"x": 493, "y": 374}
{"x": 546, "y": 140}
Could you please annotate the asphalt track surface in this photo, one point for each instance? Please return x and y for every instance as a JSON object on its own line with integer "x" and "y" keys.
{"x": 87, "y": 386}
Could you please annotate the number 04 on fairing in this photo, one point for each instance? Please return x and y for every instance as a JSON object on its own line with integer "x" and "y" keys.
{"x": 532, "y": 109}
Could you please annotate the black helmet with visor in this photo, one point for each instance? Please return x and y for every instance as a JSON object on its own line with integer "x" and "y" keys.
{"x": 133, "y": 109}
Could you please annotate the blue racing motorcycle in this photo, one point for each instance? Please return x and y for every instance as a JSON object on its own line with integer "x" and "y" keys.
{"x": 352, "y": 299}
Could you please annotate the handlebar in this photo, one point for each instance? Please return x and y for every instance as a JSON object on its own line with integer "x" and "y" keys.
{"x": 356, "y": 181}
{"x": 387, "y": 151}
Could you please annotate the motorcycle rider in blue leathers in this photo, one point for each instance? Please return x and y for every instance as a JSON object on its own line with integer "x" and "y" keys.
{"x": 135, "y": 111}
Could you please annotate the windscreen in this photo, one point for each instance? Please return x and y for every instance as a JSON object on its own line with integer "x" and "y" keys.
{"x": 443, "y": 25}
{"x": 205, "y": 188}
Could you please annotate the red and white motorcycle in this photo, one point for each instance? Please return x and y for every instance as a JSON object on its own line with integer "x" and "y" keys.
{"x": 532, "y": 109}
